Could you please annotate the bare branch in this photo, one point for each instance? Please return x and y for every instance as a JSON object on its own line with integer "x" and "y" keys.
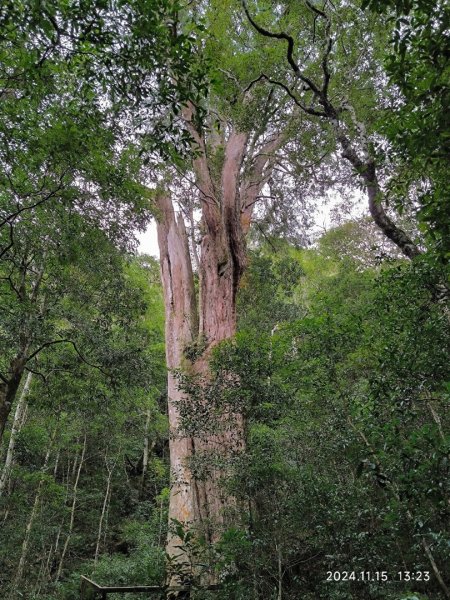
{"x": 279, "y": 36}
{"x": 14, "y": 215}
{"x": 290, "y": 49}
{"x": 329, "y": 44}
{"x": 291, "y": 94}
{"x": 316, "y": 10}
{"x": 65, "y": 341}
{"x": 44, "y": 379}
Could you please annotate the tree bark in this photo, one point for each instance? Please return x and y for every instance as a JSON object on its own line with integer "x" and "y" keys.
{"x": 181, "y": 328}
{"x": 201, "y": 323}
{"x": 17, "y": 423}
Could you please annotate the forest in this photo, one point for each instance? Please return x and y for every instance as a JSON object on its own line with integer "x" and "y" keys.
{"x": 224, "y": 314}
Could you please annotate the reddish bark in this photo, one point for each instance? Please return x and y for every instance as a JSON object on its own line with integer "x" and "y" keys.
{"x": 227, "y": 206}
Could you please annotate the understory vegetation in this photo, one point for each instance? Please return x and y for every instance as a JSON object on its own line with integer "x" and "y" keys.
{"x": 340, "y": 369}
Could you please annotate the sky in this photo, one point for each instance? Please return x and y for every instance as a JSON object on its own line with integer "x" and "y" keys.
{"x": 148, "y": 242}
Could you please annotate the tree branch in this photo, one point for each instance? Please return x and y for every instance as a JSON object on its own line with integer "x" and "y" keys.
{"x": 14, "y": 215}
{"x": 290, "y": 49}
{"x": 290, "y": 93}
{"x": 65, "y": 341}
{"x": 44, "y": 379}
{"x": 11, "y": 241}
{"x": 278, "y": 36}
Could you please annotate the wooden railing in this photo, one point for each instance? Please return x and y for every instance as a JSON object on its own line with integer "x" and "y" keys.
{"x": 93, "y": 591}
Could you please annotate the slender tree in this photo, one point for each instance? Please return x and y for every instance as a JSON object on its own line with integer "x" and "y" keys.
{"x": 32, "y": 517}
{"x": 72, "y": 509}
{"x": 15, "y": 430}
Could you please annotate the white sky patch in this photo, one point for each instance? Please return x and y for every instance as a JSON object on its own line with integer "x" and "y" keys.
{"x": 148, "y": 240}
{"x": 336, "y": 210}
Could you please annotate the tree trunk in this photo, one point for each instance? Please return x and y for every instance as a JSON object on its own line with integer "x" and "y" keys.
{"x": 72, "y": 511}
{"x": 280, "y": 572}
{"x": 367, "y": 171}
{"x": 195, "y": 325}
{"x": 145, "y": 455}
{"x": 8, "y": 390}
{"x": 10, "y": 384}
{"x": 106, "y": 499}
{"x": 181, "y": 329}
{"x": 194, "y": 502}
{"x": 34, "y": 511}
{"x": 17, "y": 423}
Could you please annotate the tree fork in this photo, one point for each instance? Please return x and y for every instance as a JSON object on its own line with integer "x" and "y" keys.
{"x": 227, "y": 203}
{"x": 193, "y": 502}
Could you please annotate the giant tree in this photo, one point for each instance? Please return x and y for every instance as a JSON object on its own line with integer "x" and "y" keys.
{"x": 235, "y": 137}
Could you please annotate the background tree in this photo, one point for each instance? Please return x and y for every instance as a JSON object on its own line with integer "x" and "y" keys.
{"x": 84, "y": 434}
{"x": 417, "y": 61}
{"x": 318, "y": 44}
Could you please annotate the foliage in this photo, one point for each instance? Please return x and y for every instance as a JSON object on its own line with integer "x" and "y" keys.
{"x": 120, "y": 329}
{"x": 339, "y": 369}
{"x": 346, "y": 408}
{"x": 419, "y": 127}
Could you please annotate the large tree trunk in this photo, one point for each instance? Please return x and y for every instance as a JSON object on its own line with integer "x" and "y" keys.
{"x": 181, "y": 329}
{"x": 195, "y": 325}
{"x": 196, "y": 502}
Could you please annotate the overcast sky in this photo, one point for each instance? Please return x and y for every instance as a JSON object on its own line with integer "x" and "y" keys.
{"x": 148, "y": 242}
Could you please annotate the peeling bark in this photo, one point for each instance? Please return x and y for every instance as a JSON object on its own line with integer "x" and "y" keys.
{"x": 227, "y": 205}
{"x": 180, "y": 330}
